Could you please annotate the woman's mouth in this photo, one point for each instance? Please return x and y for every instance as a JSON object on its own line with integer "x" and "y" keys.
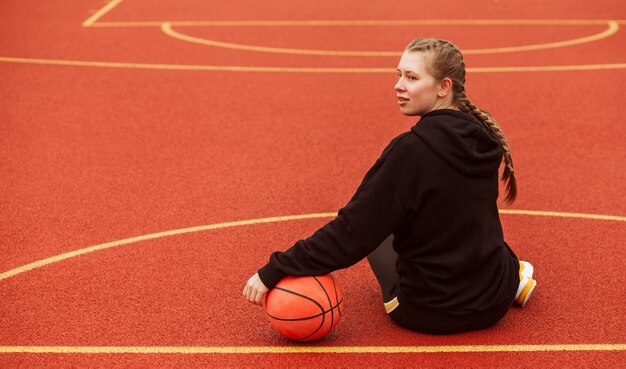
{"x": 402, "y": 100}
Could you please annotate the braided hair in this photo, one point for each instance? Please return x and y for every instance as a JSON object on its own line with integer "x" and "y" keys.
{"x": 445, "y": 60}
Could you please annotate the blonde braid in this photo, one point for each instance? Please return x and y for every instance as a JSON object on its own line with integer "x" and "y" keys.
{"x": 508, "y": 174}
{"x": 446, "y": 61}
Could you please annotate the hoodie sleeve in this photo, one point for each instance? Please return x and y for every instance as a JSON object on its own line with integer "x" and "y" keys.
{"x": 373, "y": 213}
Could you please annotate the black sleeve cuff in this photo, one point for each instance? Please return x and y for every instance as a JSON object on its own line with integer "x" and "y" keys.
{"x": 270, "y": 276}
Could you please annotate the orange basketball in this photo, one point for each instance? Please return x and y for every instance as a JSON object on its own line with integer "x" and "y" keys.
{"x": 305, "y": 308}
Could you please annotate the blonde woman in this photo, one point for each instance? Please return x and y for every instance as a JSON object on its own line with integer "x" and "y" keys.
{"x": 425, "y": 214}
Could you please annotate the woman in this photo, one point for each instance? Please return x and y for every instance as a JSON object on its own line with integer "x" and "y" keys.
{"x": 425, "y": 214}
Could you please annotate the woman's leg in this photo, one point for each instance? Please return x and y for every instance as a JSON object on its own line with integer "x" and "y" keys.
{"x": 383, "y": 264}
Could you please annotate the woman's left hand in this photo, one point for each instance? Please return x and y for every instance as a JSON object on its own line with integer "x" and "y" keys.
{"x": 255, "y": 290}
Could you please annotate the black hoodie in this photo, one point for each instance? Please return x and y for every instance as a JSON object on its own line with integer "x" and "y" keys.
{"x": 435, "y": 188}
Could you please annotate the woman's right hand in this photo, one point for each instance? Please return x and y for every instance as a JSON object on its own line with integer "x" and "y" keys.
{"x": 255, "y": 290}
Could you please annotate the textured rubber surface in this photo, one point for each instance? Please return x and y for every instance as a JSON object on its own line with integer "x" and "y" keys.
{"x": 91, "y": 154}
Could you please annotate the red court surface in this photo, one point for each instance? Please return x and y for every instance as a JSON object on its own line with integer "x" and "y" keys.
{"x": 154, "y": 153}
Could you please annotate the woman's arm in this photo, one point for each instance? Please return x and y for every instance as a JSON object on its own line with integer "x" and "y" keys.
{"x": 374, "y": 212}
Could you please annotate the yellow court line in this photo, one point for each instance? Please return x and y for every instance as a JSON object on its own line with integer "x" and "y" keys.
{"x": 100, "y": 13}
{"x": 175, "y": 232}
{"x": 191, "y": 67}
{"x": 108, "y": 245}
{"x": 236, "y": 68}
{"x": 563, "y": 215}
{"x": 306, "y": 349}
{"x": 166, "y": 27}
{"x": 546, "y": 68}
{"x": 364, "y": 22}
{"x": 613, "y": 27}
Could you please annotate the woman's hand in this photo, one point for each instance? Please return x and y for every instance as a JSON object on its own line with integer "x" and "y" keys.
{"x": 255, "y": 290}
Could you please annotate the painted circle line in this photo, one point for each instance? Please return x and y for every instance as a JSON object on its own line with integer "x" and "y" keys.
{"x": 166, "y": 27}
{"x": 175, "y": 232}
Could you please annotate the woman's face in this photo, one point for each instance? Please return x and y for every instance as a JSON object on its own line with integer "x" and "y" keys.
{"x": 416, "y": 88}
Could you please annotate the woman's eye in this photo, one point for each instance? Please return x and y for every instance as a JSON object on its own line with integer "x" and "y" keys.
{"x": 410, "y": 78}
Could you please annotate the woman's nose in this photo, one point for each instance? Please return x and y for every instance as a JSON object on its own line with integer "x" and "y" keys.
{"x": 398, "y": 86}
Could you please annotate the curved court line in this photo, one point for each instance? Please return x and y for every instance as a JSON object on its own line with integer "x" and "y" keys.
{"x": 166, "y": 27}
{"x": 363, "y": 22}
{"x": 306, "y": 349}
{"x": 175, "y": 232}
{"x": 235, "y": 68}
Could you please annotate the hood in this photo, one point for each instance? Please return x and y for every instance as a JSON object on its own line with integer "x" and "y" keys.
{"x": 462, "y": 141}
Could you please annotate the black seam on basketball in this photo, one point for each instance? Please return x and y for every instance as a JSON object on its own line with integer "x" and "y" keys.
{"x": 336, "y": 296}
{"x": 322, "y": 314}
{"x": 338, "y": 306}
{"x": 330, "y": 303}
{"x": 301, "y": 295}
{"x": 310, "y": 299}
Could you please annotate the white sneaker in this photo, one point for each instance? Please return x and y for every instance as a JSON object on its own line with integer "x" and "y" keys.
{"x": 527, "y": 283}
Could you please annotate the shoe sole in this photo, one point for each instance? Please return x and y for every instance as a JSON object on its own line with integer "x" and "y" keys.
{"x": 528, "y": 287}
{"x": 525, "y": 270}
{"x": 527, "y": 283}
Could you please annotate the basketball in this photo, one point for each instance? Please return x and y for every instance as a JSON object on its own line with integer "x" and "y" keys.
{"x": 305, "y": 308}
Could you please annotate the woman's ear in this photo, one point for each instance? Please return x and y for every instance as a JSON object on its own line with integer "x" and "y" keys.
{"x": 445, "y": 87}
